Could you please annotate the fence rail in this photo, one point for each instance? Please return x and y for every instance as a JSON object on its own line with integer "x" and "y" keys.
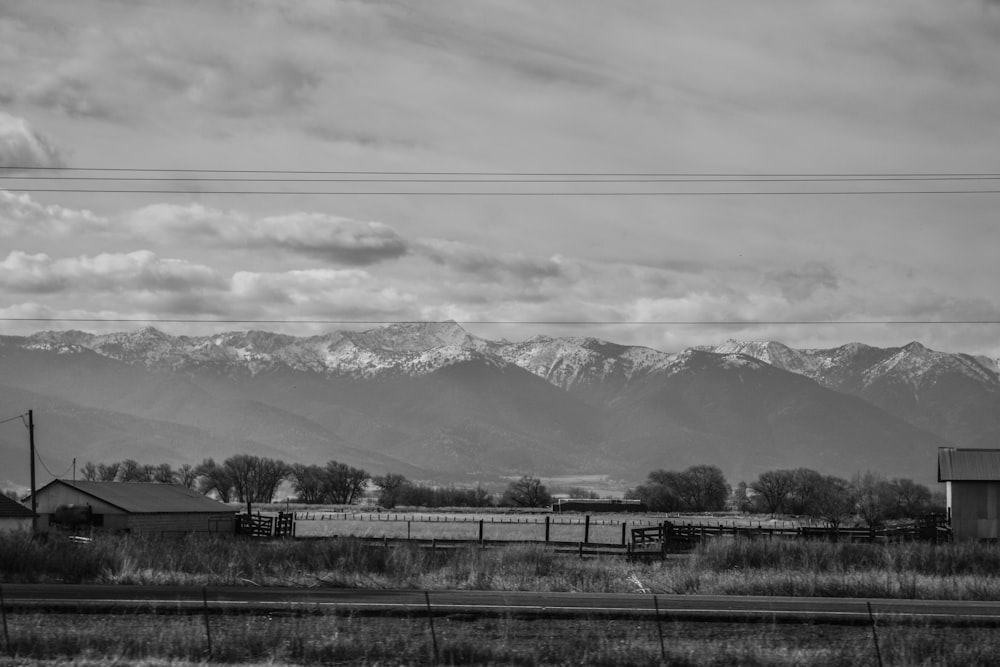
{"x": 266, "y": 525}
{"x": 669, "y": 537}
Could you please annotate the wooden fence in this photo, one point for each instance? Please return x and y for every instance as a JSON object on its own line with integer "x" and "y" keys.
{"x": 266, "y": 525}
{"x": 628, "y": 537}
{"x": 670, "y": 537}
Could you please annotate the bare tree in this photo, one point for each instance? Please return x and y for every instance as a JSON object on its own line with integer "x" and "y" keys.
{"x": 703, "y": 488}
{"x": 833, "y": 500}
{"x": 108, "y": 472}
{"x": 255, "y": 479}
{"x": 164, "y": 474}
{"x": 773, "y": 488}
{"x": 132, "y": 471}
{"x": 526, "y": 492}
{"x": 214, "y": 478}
{"x": 343, "y": 485}
{"x": 873, "y": 498}
{"x": 910, "y": 498}
{"x": 89, "y": 472}
{"x": 660, "y": 493}
{"x": 307, "y": 480}
{"x": 270, "y": 474}
{"x": 187, "y": 475}
{"x": 802, "y": 498}
{"x": 391, "y": 487}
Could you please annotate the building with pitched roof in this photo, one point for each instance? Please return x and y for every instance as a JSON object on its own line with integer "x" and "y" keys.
{"x": 972, "y": 486}
{"x": 141, "y": 507}
{"x": 14, "y": 515}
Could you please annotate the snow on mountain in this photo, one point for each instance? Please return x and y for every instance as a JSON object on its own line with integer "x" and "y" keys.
{"x": 770, "y": 352}
{"x": 568, "y": 362}
{"x": 857, "y": 366}
{"x": 411, "y": 348}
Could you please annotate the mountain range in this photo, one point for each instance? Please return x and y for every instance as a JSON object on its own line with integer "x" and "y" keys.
{"x": 436, "y": 403}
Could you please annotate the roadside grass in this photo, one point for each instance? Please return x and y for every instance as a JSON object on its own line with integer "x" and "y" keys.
{"x": 965, "y": 571}
{"x": 279, "y": 639}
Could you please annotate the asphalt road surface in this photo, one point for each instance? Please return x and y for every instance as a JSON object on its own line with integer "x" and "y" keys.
{"x": 192, "y": 599}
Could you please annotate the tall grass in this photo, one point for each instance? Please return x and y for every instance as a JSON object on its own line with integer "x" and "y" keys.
{"x": 329, "y": 639}
{"x": 961, "y": 571}
{"x": 965, "y": 571}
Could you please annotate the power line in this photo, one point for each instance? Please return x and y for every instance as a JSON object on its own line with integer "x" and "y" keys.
{"x": 583, "y": 179}
{"x": 375, "y": 193}
{"x": 21, "y": 417}
{"x": 830, "y": 175}
{"x": 138, "y": 320}
{"x": 38, "y": 455}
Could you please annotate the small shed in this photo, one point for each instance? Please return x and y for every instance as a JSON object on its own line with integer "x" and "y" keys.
{"x": 140, "y": 507}
{"x": 14, "y": 515}
{"x": 972, "y": 487}
{"x": 598, "y": 505}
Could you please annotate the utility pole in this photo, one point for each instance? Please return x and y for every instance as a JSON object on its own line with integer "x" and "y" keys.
{"x": 31, "y": 443}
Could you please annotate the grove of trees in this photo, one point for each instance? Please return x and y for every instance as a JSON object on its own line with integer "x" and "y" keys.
{"x": 871, "y": 497}
{"x": 700, "y": 488}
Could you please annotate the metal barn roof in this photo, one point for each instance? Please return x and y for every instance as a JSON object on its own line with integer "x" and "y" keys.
{"x": 11, "y": 509}
{"x": 147, "y": 497}
{"x": 968, "y": 465}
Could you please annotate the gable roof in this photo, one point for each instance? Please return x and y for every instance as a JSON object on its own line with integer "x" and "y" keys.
{"x": 146, "y": 497}
{"x": 11, "y": 509}
{"x": 968, "y": 465}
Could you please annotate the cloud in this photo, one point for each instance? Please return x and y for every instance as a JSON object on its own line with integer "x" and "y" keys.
{"x": 20, "y": 215}
{"x": 485, "y": 264}
{"x": 22, "y": 146}
{"x": 121, "y": 273}
{"x": 320, "y": 235}
{"x": 799, "y": 284}
{"x": 325, "y": 293}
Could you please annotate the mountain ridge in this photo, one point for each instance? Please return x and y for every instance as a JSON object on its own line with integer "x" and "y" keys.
{"x": 435, "y": 400}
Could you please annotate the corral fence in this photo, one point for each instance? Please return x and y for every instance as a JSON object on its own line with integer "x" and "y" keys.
{"x": 600, "y": 536}
{"x": 669, "y": 537}
{"x": 269, "y": 525}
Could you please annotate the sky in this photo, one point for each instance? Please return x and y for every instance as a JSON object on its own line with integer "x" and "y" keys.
{"x": 383, "y": 92}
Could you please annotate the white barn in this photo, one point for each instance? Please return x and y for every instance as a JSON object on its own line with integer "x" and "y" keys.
{"x": 14, "y": 515}
{"x": 972, "y": 486}
{"x": 138, "y": 507}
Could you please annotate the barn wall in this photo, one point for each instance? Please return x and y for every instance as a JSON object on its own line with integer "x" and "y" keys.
{"x": 10, "y": 524}
{"x": 975, "y": 510}
{"x": 56, "y": 495}
{"x": 181, "y": 523}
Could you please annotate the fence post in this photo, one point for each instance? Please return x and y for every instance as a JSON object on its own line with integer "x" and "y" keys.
{"x": 430, "y": 622}
{"x": 624, "y": 527}
{"x": 659, "y": 630}
{"x": 208, "y": 630}
{"x": 586, "y": 529}
{"x": 546, "y": 528}
{"x": 480, "y": 532}
{"x": 878, "y": 652}
{"x": 3, "y": 611}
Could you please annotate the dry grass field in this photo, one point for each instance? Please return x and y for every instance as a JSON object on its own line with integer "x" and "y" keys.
{"x": 722, "y": 566}
{"x": 103, "y": 641}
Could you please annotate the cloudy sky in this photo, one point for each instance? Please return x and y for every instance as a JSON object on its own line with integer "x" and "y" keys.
{"x": 385, "y": 92}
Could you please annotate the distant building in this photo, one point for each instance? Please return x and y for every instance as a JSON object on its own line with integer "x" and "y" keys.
{"x": 597, "y": 505}
{"x": 138, "y": 507}
{"x": 972, "y": 483}
{"x": 14, "y": 515}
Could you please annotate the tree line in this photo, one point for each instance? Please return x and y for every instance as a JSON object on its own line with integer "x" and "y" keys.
{"x": 246, "y": 478}
{"x": 869, "y": 497}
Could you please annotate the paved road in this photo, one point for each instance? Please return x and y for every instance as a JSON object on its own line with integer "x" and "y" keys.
{"x": 95, "y": 598}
